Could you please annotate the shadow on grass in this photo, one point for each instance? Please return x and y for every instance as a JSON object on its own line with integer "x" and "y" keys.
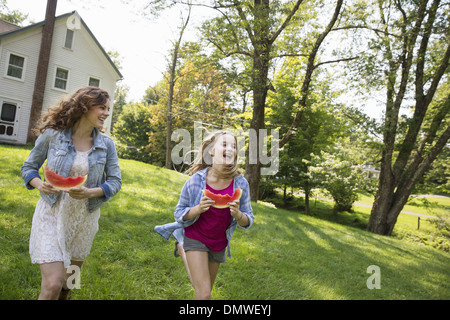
{"x": 305, "y": 258}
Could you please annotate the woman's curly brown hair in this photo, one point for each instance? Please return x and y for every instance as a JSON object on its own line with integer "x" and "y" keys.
{"x": 70, "y": 109}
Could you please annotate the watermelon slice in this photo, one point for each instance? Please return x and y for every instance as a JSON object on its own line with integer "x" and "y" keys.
{"x": 221, "y": 201}
{"x": 61, "y": 183}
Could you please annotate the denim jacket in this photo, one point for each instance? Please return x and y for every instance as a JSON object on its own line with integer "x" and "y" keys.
{"x": 57, "y": 148}
{"x": 191, "y": 195}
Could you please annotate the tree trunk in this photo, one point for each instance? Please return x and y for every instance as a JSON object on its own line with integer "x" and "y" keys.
{"x": 378, "y": 221}
{"x": 169, "y": 110}
{"x": 42, "y": 67}
{"x": 253, "y": 164}
{"x": 171, "y": 91}
{"x": 391, "y": 197}
{"x": 261, "y": 58}
{"x": 307, "y": 209}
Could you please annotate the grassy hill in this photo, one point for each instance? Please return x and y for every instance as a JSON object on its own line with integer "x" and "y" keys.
{"x": 285, "y": 255}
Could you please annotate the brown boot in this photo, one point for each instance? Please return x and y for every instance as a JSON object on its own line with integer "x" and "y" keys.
{"x": 64, "y": 294}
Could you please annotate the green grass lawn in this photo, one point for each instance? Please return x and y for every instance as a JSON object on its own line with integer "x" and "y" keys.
{"x": 430, "y": 205}
{"x": 434, "y": 227}
{"x": 285, "y": 255}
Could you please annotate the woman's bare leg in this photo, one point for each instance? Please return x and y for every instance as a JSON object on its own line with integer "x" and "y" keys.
{"x": 52, "y": 280}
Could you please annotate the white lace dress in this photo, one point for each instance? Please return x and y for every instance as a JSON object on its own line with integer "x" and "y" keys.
{"x": 65, "y": 231}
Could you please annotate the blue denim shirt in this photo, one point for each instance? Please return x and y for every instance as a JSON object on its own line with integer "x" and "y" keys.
{"x": 57, "y": 148}
{"x": 191, "y": 195}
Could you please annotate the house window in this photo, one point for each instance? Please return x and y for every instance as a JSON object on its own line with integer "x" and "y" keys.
{"x": 94, "y": 82}
{"x": 62, "y": 75}
{"x": 7, "y": 119}
{"x": 69, "y": 39}
{"x": 16, "y": 66}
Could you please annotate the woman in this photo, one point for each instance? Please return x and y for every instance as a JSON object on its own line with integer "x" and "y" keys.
{"x": 65, "y": 223}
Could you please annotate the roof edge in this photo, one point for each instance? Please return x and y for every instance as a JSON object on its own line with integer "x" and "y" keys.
{"x": 41, "y": 23}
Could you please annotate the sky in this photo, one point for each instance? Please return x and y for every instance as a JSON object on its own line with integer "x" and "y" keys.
{"x": 142, "y": 42}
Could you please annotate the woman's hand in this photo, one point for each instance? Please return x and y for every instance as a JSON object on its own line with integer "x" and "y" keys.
{"x": 42, "y": 186}
{"x": 85, "y": 193}
{"x": 79, "y": 193}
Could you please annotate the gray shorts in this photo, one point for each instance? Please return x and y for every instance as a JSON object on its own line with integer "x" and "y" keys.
{"x": 195, "y": 245}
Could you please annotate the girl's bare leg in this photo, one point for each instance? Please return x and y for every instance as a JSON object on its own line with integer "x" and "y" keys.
{"x": 183, "y": 256}
{"x": 203, "y": 273}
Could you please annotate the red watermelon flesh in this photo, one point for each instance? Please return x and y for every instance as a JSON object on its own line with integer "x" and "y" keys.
{"x": 221, "y": 201}
{"x": 61, "y": 183}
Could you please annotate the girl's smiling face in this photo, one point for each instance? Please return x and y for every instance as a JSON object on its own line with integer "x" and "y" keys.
{"x": 224, "y": 150}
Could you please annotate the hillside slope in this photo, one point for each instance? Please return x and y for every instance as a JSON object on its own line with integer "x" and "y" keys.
{"x": 285, "y": 255}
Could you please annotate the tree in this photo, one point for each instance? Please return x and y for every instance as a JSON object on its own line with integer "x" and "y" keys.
{"x": 323, "y": 122}
{"x": 408, "y": 57}
{"x": 437, "y": 179}
{"x": 340, "y": 172}
{"x": 152, "y": 95}
{"x": 120, "y": 99}
{"x": 131, "y": 132}
{"x": 121, "y": 91}
{"x": 172, "y": 79}
{"x": 42, "y": 67}
{"x": 14, "y": 16}
{"x": 200, "y": 93}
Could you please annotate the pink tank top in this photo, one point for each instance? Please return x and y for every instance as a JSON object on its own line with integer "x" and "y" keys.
{"x": 211, "y": 226}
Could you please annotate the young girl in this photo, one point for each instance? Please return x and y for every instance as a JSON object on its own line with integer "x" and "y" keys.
{"x": 65, "y": 223}
{"x": 203, "y": 231}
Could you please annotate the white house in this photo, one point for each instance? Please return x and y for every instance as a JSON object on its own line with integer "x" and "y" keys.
{"x": 76, "y": 59}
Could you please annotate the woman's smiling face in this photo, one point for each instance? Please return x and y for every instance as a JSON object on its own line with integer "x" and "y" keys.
{"x": 97, "y": 115}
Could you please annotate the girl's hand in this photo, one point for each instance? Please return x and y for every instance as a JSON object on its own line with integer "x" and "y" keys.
{"x": 204, "y": 204}
{"x": 241, "y": 218}
{"x": 234, "y": 209}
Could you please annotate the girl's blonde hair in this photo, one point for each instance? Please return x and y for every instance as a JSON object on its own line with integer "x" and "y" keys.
{"x": 70, "y": 109}
{"x": 204, "y": 159}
